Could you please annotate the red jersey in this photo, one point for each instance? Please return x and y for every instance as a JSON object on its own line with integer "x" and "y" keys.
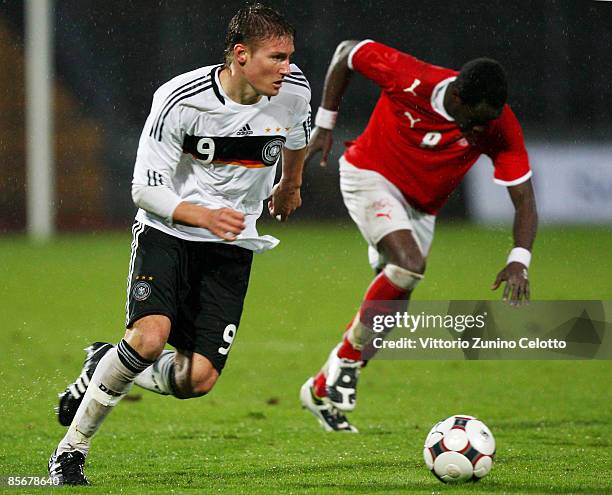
{"x": 414, "y": 143}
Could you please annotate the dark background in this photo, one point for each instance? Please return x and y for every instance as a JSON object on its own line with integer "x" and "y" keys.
{"x": 112, "y": 55}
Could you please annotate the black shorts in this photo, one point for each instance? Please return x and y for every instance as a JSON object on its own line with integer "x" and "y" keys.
{"x": 200, "y": 286}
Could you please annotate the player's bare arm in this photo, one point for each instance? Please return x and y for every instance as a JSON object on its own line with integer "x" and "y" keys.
{"x": 225, "y": 223}
{"x": 336, "y": 81}
{"x": 515, "y": 273}
{"x": 286, "y": 196}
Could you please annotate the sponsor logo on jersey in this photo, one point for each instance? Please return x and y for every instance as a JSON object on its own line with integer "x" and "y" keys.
{"x": 245, "y": 131}
{"x": 411, "y": 119}
{"x": 271, "y": 151}
{"x": 412, "y": 88}
{"x": 141, "y": 291}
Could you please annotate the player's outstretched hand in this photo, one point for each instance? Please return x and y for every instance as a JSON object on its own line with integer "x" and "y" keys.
{"x": 320, "y": 140}
{"x": 284, "y": 201}
{"x": 224, "y": 223}
{"x": 517, "y": 283}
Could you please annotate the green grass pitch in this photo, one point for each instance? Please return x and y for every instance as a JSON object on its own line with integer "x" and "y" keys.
{"x": 552, "y": 420}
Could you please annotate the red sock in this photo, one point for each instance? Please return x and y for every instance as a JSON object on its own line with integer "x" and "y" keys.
{"x": 380, "y": 299}
{"x": 319, "y": 385}
{"x": 381, "y": 289}
{"x": 347, "y": 351}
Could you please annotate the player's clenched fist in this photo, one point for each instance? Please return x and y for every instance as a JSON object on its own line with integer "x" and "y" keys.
{"x": 224, "y": 223}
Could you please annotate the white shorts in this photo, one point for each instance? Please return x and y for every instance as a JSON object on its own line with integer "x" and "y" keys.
{"x": 379, "y": 208}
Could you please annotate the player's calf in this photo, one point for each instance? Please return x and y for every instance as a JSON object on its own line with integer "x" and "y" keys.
{"x": 394, "y": 283}
{"x": 196, "y": 386}
{"x": 71, "y": 398}
{"x": 194, "y": 375}
{"x": 111, "y": 380}
{"x": 182, "y": 374}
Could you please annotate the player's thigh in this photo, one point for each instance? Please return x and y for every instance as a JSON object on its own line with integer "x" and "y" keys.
{"x": 376, "y": 206}
{"x": 423, "y": 227}
{"x": 409, "y": 248}
{"x": 379, "y": 209}
{"x": 154, "y": 283}
{"x": 225, "y": 272}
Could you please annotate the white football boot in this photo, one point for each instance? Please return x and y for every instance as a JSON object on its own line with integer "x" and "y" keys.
{"x": 341, "y": 382}
{"x": 330, "y": 418}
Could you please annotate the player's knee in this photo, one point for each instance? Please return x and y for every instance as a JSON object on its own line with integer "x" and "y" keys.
{"x": 197, "y": 379}
{"x": 197, "y": 385}
{"x": 150, "y": 347}
{"x": 204, "y": 385}
{"x": 149, "y": 335}
{"x": 412, "y": 262}
{"x": 403, "y": 277}
{"x": 203, "y": 376}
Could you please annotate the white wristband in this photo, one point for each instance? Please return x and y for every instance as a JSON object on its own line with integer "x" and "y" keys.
{"x": 326, "y": 118}
{"x": 519, "y": 255}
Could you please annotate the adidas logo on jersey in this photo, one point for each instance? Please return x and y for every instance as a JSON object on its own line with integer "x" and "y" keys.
{"x": 245, "y": 131}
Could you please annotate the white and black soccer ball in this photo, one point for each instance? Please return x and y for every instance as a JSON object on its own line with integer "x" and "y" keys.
{"x": 460, "y": 448}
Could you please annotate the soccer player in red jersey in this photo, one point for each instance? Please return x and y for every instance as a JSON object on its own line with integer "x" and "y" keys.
{"x": 428, "y": 128}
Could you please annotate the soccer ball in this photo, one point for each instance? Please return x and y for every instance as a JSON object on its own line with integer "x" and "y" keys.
{"x": 460, "y": 448}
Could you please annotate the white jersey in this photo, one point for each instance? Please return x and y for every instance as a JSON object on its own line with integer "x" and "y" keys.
{"x": 214, "y": 152}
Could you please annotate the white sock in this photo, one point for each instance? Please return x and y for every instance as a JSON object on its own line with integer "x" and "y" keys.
{"x": 158, "y": 377}
{"x": 112, "y": 379}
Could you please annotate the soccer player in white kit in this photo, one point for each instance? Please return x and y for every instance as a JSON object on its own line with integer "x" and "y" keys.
{"x": 206, "y": 162}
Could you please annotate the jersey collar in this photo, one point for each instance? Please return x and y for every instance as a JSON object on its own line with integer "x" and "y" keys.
{"x": 437, "y": 98}
{"x": 227, "y": 101}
